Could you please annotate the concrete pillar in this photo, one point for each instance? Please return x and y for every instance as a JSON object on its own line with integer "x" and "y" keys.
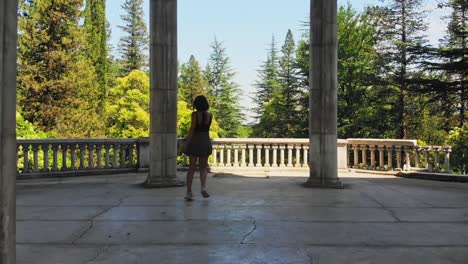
{"x": 323, "y": 95}
{"x": 163, "y": 94}
{"x": 8, "y": 38}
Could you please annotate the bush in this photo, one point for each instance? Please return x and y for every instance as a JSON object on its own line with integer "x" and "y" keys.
{"x": 458, "y": 139}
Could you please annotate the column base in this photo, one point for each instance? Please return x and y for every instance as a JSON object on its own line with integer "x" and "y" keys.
{"x": 163, "y": 183}
{"x": 326, "y": 183}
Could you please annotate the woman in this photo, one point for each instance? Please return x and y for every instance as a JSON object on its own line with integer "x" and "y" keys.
{"x": 198, "y": 146}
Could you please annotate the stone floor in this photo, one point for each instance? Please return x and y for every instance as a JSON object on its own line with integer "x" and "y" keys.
{"x": 113, "y": 220}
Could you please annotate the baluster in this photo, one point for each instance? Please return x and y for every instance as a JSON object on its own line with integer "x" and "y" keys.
{"x": 290, "y": 148}
{"x": 426, "y": 157}
{"x": 221, "y": 155}
{"x": 381, "y": 157}
{"x": 243, "y": 163}
{"x": 130, "y": 155}
{"x": 356, "y": 156}
{"x": 298, "y": 156}
{"x": 45, "y": 150}
{"x": 228, "y": 156}
{"x": 251, "y": 156}
{"x": 416, "y": 157}
{"x": 389, "y": 157}
{"x": 123, "y": 155}
{"x": 306, "y": 153}
{"x": 447, "y": 151}
{"x": 236, "y": 155}
{"x": 116, "y": 156}
{"x": 372, "y": 156}
{"x": 99, "y": 155}
{"x": 267, "y": 148}
{"x": 55, "y": 148}
{"x": 73, "y": 156}
{"x": 282, "y": 148}
{"x": 259, "y": 155}
{"x": 82, "y": 147}
{"x": 17, "y": 157}
{"x": 64, "y": 148}
{"x": 91, "y": 148}
{"x": 437, "y": 158}
{"x": 215, "y": 154}
{"x": 35, "y": 149}
{"x": 108, "y": 147}
{"x": 398, "y": 156}
{"x": 26, "y": 158}
{"x": 275, "y": 156}
{"x": 364, "y": 156}
{"x": 407, "y": 151}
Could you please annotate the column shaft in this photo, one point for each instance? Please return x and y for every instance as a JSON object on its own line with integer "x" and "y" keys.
{"x": 323, "y": 95}
{"x": 163, "y": 94}
{"x": 8, "y": 41}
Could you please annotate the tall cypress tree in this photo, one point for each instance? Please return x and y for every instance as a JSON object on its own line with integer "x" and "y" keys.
{"x": 223, "y": 93}
{"x": 191, "y": 81}
{"x": 96, "y": 31}
{"x": 134, "y": 44}
{"x": 56, "y": 83}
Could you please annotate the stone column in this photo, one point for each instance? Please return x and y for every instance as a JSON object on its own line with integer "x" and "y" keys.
{"x": 8, "y": 36}
{"x": 163, "y": 94}
{"x": 323, "y": 95}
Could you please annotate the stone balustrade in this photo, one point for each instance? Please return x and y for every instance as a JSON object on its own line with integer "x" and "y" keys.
{"x": 397, "y": 155}
{"x": 57, "y": 157}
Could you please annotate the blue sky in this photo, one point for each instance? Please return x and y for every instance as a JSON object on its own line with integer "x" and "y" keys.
{"x": 245, "y": 27}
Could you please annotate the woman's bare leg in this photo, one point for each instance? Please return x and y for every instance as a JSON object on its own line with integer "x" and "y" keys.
{"x": 203, "y": 171}
{"x": 191, "y": 172}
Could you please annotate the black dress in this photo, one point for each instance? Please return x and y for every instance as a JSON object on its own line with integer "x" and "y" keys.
{"x": 200, "y": 143}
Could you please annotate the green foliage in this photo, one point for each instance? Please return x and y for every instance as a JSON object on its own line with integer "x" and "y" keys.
{"x": 223, "y": 93}
{"x": 134, "y": 44}
{"x": 458, "y": 139}
{"x": 128, "y": 107}
{"x": 26, "y": 130}
{"x": 191, "y": 81}
{"x": 57, "y": 88}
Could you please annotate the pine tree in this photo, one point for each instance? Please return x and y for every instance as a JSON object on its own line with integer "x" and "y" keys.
{"x": 191, "y": 81}
{"x": 223, "y": 93}
{"x": 96, "y": 30}
{"x": 267, "y": 82}
{"x": 56, "y": 83}
{"x": 449, "y": 87}
{"x": 401, "y": 27}
{"x": 134, "y": 45}
{"x": 288, "y": 104}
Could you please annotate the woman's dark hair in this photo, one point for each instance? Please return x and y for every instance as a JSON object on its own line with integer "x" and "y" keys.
{"x": 200, "y": 103}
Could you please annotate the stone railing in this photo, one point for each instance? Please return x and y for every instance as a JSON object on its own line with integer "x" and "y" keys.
{"x": 397, "y": 155}
{"x": 58, "y": 157}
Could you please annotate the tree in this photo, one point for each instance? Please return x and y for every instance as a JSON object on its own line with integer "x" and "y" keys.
{"x": 287, "y": 105}
{"x": 96, "y": 31}
{"x": 223, "y": 93}
{"x": 449, "y": 66}
{"x": 134, "y": 45}
{"x": 401, "y": 26}
{"x": 191, "y": 82}
{"x": 128, "y": 107}
{"x": 56, "y": 83}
